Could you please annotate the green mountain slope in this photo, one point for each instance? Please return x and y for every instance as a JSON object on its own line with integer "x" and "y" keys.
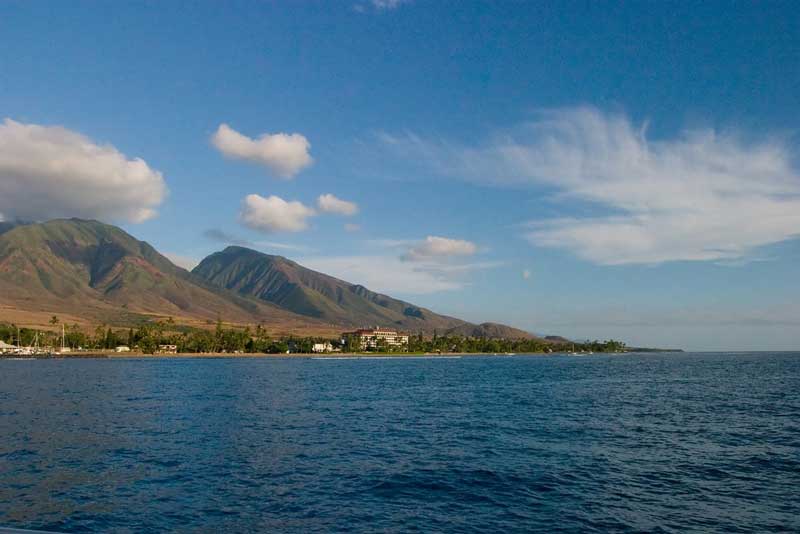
{"x": 98, "y": 272}
{"x": 293, "y": 287}
{"x": 490, "y": 331}
{"x": 93, "y": 269}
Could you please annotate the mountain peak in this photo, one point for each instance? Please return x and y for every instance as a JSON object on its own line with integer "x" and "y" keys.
{"x": 88, "y": 267}
{"x": 289, "y": 285}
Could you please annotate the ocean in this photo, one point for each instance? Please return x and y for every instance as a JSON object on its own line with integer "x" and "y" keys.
{"x": 629, "y": 443}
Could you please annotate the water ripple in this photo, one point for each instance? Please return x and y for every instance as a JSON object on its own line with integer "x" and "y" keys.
{"x": 656, "y": 443}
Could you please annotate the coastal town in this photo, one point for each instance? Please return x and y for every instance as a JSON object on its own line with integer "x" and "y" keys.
{"x": 158, "y": 339}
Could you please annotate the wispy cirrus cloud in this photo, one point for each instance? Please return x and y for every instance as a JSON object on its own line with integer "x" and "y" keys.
{"x": 699, "y": 196}
{"x": 384, "y": 274}
{"x": 389, "y": 274}
{"x": 284, "y": 154}
{"x": 281, "y": 246}
{"x": 221, "y": 236}
{"x": 435, "y": 247}
{"x": 187, "y": 262}
{"x": 378, "y": 5}
{"x": 389, "y": 4}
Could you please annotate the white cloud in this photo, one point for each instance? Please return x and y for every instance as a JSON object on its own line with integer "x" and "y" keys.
{"x": 186, "y": 262}
{"x": 526, "y": 274}
{"x": 702, "y": 195}
{"x": 49, "y": 171}
{"x": 384, "y": 274}
{"x": 389, "y": 271}
{"x": 388, "y": 4}
{"x": 439, "y": 247}
{"x": 273, "y": 214}
{"x": 281, "y": 246}
{"x": 350, "y": 227}
{"x": 328, "y": 203}
{"x": 215, "y": 234}
{"x": 284, "y": 154}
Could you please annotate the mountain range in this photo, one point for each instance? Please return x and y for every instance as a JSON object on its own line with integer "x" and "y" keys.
{"x": 93, "y": 273}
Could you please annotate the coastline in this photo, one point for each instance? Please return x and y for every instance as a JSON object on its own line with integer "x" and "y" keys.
{"x": 296, "y": 355}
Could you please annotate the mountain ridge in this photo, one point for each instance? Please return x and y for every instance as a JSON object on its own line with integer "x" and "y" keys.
{"x": 94, "y": 269}
{"x": 307, "y": 292}
{"x": 89, "y": 269}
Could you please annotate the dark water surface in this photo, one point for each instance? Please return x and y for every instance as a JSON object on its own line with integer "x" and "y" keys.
{"x": 649, "y": 443}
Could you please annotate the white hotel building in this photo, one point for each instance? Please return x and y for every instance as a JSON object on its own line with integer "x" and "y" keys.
{"x": 371, "y": 338}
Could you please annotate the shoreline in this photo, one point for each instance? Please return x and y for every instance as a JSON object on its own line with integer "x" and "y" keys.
{"x": 299, "y": 355}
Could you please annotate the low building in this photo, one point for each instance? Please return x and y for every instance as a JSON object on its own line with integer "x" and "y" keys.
{"x": 123, "y": 348}
{"x": 375, "y": 338}
{"x": 168, "y": 349}
{"x": 322, "y": 347}
{"x": 5, "y": 348}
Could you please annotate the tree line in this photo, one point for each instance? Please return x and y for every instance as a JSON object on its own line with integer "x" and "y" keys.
{"x": 148, "y": 337}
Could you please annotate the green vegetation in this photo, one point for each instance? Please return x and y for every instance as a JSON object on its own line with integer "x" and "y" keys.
{"x": 25, "y": 337}
{"x": 148, "y": 336}
{"x": 446, "y": 344}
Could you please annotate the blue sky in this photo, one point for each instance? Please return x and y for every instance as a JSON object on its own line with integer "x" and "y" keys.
{"x": 583, "y": 169}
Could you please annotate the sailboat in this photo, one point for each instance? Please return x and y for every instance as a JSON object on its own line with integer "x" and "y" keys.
{"x": 64, "y": 347}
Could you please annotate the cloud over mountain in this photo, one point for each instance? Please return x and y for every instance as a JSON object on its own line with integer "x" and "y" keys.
{"x": 273, "y": 214}
{"x": 283, "y": 154}
{"x": 701, "y": 195}
{"x": 385, "y": 274}
{"x": 51, "y": 171}
{"x": 215, "y": 234}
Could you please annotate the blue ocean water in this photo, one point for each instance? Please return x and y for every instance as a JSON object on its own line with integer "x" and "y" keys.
{"x": 634, "y": 443}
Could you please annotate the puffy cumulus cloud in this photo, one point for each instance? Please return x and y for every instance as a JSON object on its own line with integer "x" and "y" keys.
{"x": 328, "y": 203}
{"x": 702, "y": 195}
{"x": 273, "y": 214}
{"x": 434, "y": 247}
{"x": 186, "y": 262}
{"x": 284, "y": 154}
{"x": 49, "y": 171}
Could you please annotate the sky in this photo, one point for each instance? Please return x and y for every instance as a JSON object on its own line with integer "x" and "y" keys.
{"x": 586, "y": 169}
